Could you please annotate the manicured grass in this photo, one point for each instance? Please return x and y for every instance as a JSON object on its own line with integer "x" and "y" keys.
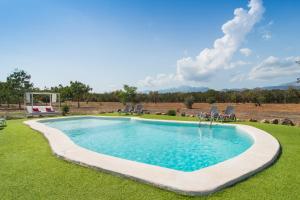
{"x": 28, "y": 170}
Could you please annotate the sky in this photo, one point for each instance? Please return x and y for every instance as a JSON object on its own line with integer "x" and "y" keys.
{"x": 151, "y": 44}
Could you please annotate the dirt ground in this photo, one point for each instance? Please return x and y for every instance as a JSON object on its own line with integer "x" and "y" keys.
{"x": 243, "y": 111}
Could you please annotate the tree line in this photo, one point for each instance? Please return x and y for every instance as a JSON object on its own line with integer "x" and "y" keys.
{"x": 257, "y": 96}
{"x": 130, "y": 94}
{"x": 17, "y": 83}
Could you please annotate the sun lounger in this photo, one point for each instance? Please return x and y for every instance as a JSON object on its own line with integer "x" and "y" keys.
{"x": 128, "y": 109}
{"x": 229, "y": 114}
{"x": 138, "y": 109}
{"x": 2, "y": 122}
{"x": 212, "y": 114}
{"x": 40, "y": 111}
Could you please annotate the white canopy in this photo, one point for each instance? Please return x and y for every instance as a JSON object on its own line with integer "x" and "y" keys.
{"x": 42, "y": 110}
{"x": 53, "y": 97}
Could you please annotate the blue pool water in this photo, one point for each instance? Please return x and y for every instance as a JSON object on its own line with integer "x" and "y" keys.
{"x": 184, "y": 147}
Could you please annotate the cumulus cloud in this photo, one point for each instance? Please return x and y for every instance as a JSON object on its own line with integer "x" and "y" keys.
{"x": 235, "y": 31}
{"x": 274, "y": 67}
{"x": 235, "y": 64}
{"x": 267, "y": 35}
{"x": 238, "y": 77}
{"x": 160, "y": 79}
{"x": 246, "y": 51}
{"x": 265, "y": 31}
{"x": 219, "y": 56}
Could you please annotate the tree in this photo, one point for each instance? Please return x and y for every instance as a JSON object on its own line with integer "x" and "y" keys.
{"x": 154, "y": 96}
{"x": 233, "y": 97}
{"x": 292, "y": 95}
{"x": 17, "y": 84}
{"x": 78, "y": 91}
{"x": 189, "y": 101}
{"x": 87, "y": 97}
{"x": 211, "y": 100}
{"x": 128, "y": 94}
{"x": 260, "y": 100}
{"x": 4, "y": 95}
{"x": 65, "y": 92}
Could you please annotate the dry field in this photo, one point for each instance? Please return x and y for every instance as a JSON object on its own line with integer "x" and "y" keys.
{"x": 243, "y": 111}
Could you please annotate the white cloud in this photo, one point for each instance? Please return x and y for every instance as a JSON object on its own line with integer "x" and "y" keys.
{"x": 274, "y": 67}
{"x": 265, "y": 31}
{"x": 246, "y": 51}
{"x": 267, "y": 35}
{"x": 238, "y": 77}
{"x": 159, "y": 80}
{"x": 219, "y": 56}
{"x": 185, "y": 52}
{"x": 235, "y": 31}
{"x": 236, "y": 64}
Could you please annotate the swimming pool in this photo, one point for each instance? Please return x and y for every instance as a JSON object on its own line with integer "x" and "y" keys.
{"x": 184, "y": 147}
{"x": 185, "y": 157}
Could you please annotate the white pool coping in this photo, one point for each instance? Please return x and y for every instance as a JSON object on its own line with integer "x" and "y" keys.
{"x": 260, "y": 155}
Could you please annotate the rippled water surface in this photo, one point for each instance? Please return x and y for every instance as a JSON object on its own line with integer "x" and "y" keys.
{"x": 184, "y": 147}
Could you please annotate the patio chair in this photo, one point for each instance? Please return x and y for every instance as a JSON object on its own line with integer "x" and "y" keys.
{"x": 138, "y": 109}
{"x": 203, "y": 115}
{"x": 2, "y": 122}
{"x": 229, "y": 114}
{"x": 212, "y": 114}
{"x": 128, "y": 109}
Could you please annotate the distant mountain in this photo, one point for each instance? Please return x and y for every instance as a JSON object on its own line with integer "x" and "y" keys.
{"x": 295, "y": 84}
{"x": 183, "y": 89}
{"x": 284, "y": 86}
{"x": 188, "y": 89}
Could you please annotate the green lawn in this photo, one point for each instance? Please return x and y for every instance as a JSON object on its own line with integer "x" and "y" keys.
{"x": 28, "y": 170}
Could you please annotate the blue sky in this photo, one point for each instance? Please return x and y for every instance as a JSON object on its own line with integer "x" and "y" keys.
{"x": 152, "y": 44}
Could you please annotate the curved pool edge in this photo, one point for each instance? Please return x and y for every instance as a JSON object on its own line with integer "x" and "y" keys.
{"x": 260, "y": 155}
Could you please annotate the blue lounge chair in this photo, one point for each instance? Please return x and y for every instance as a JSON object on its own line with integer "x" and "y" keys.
{"x": 2, "y": 122}
{"x": 212, "y": 114}
{"x": 128, "y": 109}
{"x": 229, "y": 114}
{"x": 138, "y": 109}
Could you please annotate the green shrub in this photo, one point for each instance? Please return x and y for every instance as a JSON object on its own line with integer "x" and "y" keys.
{"x": 211, "y": 100}
{"x": 65, "y": 109}
{"x": 189, "y": 101}
{"x": 171, "y": 112}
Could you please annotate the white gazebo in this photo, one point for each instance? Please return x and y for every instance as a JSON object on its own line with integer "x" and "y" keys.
{"x": 32, "y": 109}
